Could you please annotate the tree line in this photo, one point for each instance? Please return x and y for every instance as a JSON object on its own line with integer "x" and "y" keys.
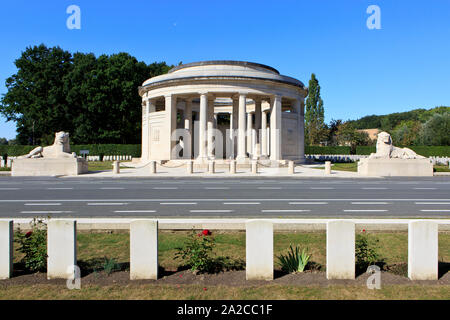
{"x": 93, "y": 98}
{"x": 413, "y": 128}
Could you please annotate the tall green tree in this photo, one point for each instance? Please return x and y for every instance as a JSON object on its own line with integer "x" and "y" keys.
{"x": 95, "y": 99}
{"x": 35, "y": 98}
{"x": 314, "y": 113}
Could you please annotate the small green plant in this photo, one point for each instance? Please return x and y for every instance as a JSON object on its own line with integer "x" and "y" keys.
{"x": 33, "y": 244}
{"x": 294, "y": 261}
{"x": 366, "y": 251}
{"x": 197, "y": 251}
{"x": 110, "y": 265}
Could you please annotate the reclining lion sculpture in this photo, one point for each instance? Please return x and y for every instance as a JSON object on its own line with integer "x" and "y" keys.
{"x": 385, "y": 149}
{"x": 59, "y": 149}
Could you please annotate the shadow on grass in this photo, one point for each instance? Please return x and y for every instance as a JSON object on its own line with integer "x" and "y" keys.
{"x": 443, "y": 268}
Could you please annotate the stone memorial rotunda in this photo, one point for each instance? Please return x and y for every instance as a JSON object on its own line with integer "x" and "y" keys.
{"x": 222, "y": 110}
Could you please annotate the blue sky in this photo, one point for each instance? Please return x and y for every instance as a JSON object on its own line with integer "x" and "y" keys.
{"x": 403, "y": 66}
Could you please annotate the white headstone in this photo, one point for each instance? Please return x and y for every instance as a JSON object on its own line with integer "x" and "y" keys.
{"x": 61, "y": 248}
{"x": 6, "y": 249}
{"x": 144, "y": 249}
{"x": 259, "y": 250}
{"x": 423, "y": 250}
{"x": 340, "y": 249}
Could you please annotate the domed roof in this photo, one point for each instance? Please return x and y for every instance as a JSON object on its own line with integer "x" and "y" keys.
{"x": 222, "y": 69}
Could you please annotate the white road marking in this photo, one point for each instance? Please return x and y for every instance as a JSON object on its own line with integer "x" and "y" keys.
{"x": 308, "y": 202}
{"x": 285, "y": 210}
{"x": 45, "y": 212}
{"x": 425, "y": 188}
{"x": 432, "y": 203}
{"x": 59, "y": 188}
{"x": 176, "y": 203}
{"x": 202, "y": 211}
{"x": 165, "y": 188}
{"x": 217, "y": 200}
{"x": 369, "y": 210}
{"x": 242, "y": 203}
{"x": 9, "y": 188}
{"x": 107, "y": 204}
{"x": 322, "y": 188}
{"x": 135, "y": 211}
{"x": 112, "y": 188}
{"x": 217, "y": 188}
{"x": 374, "y": 188}
{"x": 370, "y": 203}
{"x": 43, "y": 204}
{"x": 436, "y": 210}
{"x": 269, "y": 188}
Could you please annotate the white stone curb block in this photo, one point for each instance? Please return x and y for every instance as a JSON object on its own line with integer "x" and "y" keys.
{"x": 144, "y": 249}
{"x": 259, "y": 250}
{"x": 340, "y": 249}
{"x": 422, "y": 250}
{"x": 61, "y": 248}
{"x": 6, "y": 249}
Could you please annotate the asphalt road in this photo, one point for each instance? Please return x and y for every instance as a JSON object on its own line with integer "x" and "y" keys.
{"x": 212, "y": 197}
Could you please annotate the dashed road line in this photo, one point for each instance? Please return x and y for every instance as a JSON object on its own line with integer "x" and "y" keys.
{"x": 176, "y": 203}
{"x": 43, "y": 204}
{"x": 206, "y": 211}
{"x": 368, "y": 210}
{"x": 289, "y": 210}
{"x": 107, "y": 203}
{"x": 308, "y": 202}
{"x": 242, "y": 203}
{"x": 135, "y": 211}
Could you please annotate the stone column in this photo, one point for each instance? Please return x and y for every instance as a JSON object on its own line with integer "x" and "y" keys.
{"x": 257, "y": 131}
{"x": 171, "y": 124}
{"x": 234, "y": 125}
{"x": 151, "y": 107}
{"x": 249, "y": 133}
{"x": 275, "y": 128}
{"x": 211, "y": 128}
{"x": 264, "y": 135}
{"x": 144, "y": 140}
{"x": 188, "y": 127}
{"x": 241, "y": 127}
{"x": 202, "y": 155}
{"x": 299, "y": 107}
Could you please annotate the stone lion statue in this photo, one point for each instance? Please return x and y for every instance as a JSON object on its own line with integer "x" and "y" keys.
{"x": 386, "y": 150}
{"x": 59, "y": 149}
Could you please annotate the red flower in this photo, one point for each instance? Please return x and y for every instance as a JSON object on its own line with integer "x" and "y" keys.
{"x": 364, "y": 230}
{"x": 204, "y": 289}
{"x": 206, "y": 232}
{"x": 28, "y": 234}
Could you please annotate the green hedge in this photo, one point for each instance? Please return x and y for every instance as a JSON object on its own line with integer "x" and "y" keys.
{"x": 133, "y": 150}
{"x": 426, "y": 151}
{"x": 365, "y": 150}
{"x": 327, "y": 150}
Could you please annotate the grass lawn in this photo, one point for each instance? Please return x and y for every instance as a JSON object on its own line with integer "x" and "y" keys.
{"x": 353, "y": 166}
{"x": 441, "y": 168}
{"x": 102, "y": 165}
{"x": 93, "y": 248}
